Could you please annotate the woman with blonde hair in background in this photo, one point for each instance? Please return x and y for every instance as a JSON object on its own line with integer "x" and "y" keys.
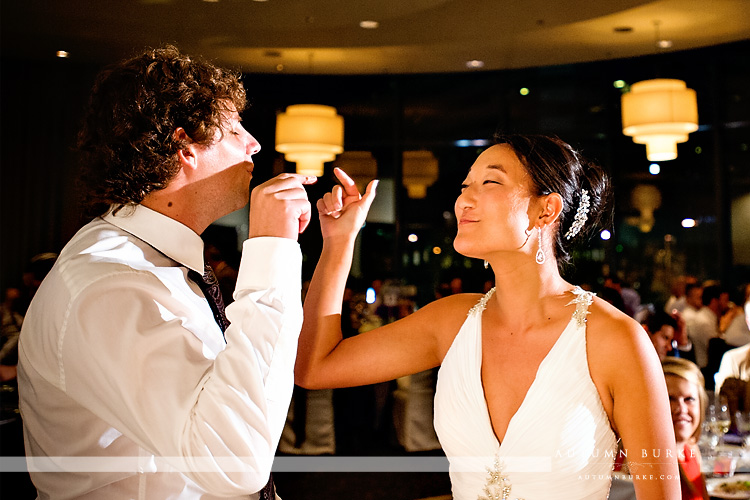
{"x": 688, "y": 400}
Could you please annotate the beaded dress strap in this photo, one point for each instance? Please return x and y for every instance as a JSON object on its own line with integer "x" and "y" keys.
{"x": 582, "y": 300}
{"x": 482, "y": 304}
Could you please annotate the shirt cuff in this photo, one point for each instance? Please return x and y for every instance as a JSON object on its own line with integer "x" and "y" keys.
{"x": 685, "y": 348}
{"x": 268, "y": 262}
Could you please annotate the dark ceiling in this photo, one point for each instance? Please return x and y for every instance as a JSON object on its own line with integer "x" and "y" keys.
{"x": 325, "y": 37}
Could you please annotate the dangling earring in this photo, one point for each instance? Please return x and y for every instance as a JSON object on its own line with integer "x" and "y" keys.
{"x": 486, "y": 264}
{"x": 540, "y": 257}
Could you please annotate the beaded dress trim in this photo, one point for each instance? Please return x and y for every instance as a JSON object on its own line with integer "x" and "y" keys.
{"x": 482, "y": 304}
{"x": 582, "y": 300}
{"x": 498, "y": 486}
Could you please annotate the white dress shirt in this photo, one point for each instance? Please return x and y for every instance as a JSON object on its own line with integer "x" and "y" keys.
{"x": 126, "y": 381}
{"x": 702, "y": 327}
{"x": 732, "y": 365}
{"x": 738, "y": 333}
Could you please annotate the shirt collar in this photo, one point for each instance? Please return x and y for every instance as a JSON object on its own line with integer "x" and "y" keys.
{"x": 170, "y": 237}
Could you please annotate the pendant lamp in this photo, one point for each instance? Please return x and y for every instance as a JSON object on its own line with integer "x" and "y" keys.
{"x": 659, "y": 113}
{"x": 309, "y": 135}
{"x": 361, "y": 166}
{"x": 420, "y": 171}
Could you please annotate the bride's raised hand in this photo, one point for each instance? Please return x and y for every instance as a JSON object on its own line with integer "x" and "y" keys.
{"x": 343, "y": 210}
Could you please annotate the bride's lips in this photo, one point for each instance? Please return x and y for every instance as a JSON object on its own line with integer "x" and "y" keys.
{"x": 464, "y": 220}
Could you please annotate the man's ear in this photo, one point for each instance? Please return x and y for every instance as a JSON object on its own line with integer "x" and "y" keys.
{"x": 186, "y": 154}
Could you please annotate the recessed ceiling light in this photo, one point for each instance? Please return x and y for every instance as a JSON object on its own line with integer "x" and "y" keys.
{"x": 62, "y": 53}
{"x": 664, "y": 44}
{"x": 369, "y": 25}
{"x": 474, "y": 64}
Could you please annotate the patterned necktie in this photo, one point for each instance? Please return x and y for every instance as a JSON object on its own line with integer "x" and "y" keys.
{"x": 209, "y": 285}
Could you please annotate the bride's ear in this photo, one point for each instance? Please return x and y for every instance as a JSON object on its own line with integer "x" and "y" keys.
{"x": 551, "y": 205}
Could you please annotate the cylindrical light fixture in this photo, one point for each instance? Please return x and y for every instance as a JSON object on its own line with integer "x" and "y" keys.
{"x": 360, "y": 165}
{"x": 646, "y": 198}
{"x": 309, "y": 135}
{"x": 420, "y": 171}
{"x": 659, "y": 113}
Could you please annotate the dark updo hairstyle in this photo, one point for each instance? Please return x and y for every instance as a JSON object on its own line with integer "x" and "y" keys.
{"x": 127, "y": 139}
{"x": 555, "y": 167}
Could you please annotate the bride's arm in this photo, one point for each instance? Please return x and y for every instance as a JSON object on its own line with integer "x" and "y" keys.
{"x": 638, "y": 404}
{"x": 324, "y": 359}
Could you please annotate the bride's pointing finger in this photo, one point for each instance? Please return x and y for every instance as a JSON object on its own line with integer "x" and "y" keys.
{"x": 348, "y": 185}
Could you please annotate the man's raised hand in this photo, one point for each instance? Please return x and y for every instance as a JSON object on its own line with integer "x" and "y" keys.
{"x": 279, "y": 207}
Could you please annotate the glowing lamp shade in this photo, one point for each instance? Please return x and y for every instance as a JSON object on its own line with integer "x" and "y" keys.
{"x": 309, "y": 135}
{"x": 360, "y": 165}
{"x": 659, "y": 113}
{"x": 420, "y": 171}
{"x": 646, "y": 198}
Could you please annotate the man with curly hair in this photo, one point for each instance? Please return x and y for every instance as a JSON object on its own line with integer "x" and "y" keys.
{"x": 133, "y": 384}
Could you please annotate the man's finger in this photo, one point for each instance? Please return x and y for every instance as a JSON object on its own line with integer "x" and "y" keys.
{"x": 304, "y": 179}
{"x": 286, "y": 181}
{"x": 304, "y": 218}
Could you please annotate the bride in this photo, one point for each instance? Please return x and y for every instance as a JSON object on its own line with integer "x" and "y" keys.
{"x": 538, "y": 379}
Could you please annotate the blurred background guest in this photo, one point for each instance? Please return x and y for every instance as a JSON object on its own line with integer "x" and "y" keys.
{"x": 688, "y": 401}
{"x": 677, "y": 301}
{"x": 660, "y": 327}
{"x": 703, "y": 323}
{"x": 735, "y": 362}
{"x": 733, "y": 324}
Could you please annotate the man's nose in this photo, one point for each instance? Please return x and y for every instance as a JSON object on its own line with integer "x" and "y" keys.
{"x": 253, "y": 146}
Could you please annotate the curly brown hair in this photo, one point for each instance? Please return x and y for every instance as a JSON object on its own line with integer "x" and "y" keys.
{"x": 127, "y": 139}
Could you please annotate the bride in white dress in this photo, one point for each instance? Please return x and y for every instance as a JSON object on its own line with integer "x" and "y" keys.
{"x": 538, "y": 378}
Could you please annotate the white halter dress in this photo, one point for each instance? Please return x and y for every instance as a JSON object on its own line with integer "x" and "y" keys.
{"x": 558, "y": 445}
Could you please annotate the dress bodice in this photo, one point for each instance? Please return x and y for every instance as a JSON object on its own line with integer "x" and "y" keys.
{"x": 558, "y": 444}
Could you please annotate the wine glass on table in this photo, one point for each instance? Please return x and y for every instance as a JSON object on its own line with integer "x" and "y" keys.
{"x": 718, "y": 420}
{"x": 742, "y": 419}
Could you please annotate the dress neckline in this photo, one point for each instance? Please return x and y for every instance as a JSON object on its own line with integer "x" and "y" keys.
{"x": 582, "y": 299}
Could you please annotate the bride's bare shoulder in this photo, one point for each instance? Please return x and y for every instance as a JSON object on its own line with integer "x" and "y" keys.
{"x": 609, "y": 327}
{"x": 454, "y": 305}
{"x": 446, "y": 315}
